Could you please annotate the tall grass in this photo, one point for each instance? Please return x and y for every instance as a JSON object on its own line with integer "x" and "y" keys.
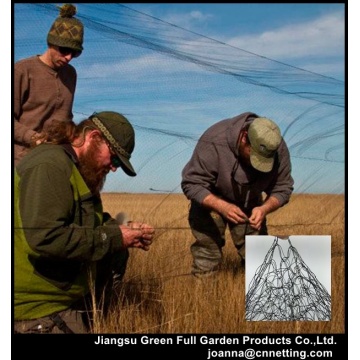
{"x": 159, "y": 296}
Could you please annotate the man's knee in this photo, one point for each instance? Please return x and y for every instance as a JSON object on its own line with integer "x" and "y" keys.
{"x": 205, "y": 258}
{"x": 65, "y": 322}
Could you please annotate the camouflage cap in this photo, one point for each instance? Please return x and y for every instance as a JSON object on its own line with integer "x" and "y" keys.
{"x": 67, "y": 31}
{"x": 265, "y": 138}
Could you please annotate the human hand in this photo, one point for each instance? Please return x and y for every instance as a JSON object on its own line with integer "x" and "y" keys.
{"x": 37, "y": 139}
{"x": 256, "y": 218}
{"x": 228, "y": 210}
{"x": 233, "y": 213}
{"x": 137, "y": 235}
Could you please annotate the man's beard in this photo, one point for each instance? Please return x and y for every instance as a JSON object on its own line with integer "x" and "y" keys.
{"x": 244, "y": 160}
{"x": 93, "y": 174}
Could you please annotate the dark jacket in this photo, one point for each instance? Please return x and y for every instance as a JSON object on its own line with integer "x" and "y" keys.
{"x": 215, "y": 168}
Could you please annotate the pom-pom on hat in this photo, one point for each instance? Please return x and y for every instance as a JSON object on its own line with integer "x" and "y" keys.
{"x": 67, "y": 31}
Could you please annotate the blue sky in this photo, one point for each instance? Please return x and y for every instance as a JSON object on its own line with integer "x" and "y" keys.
{"x": 283, "y": 32}
{"x": 294, "y": 33}
{"x": 158, "y": 96}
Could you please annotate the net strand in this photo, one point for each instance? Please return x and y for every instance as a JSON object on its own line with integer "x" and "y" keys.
{"x": 287, "y": 290}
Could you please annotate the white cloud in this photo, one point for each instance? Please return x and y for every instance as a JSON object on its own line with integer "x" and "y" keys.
{"x": 324, "y": 36}
{"x": 198, "y": 15}
{"x": 187, "y": 20}
{"x": 146, "y": 65}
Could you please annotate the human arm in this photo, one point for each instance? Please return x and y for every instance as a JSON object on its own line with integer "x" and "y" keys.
{"x": 206, "y": 177}
{"x": 228, "y": 210}
{"x": 259, "y": 213}
{"x": 200, "y": 174}
{"x": 282, "y": 185}
{"x": 41, "y": 95}
{"x": 22, "y": 133}
{"x": 57, "y": 226}
{"x": 278, "y": 193}
{"x": 134, "y": 234}
{"x": 137, "y": 235}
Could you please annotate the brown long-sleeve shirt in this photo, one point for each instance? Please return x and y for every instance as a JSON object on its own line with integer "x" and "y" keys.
{"x": 41, "y": 94}
{"x": 215, "y": 168}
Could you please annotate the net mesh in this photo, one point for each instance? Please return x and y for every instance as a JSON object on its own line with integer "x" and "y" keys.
{"x": 173, "y": 83}
{"x": 286, "y": 290}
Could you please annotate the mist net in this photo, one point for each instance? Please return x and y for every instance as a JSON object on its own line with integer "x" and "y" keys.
{"x": 286, "y": 289}
{"x": 172, "y": 84}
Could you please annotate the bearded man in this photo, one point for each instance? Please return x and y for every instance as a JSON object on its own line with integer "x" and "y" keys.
{"x": 65, "y": 247}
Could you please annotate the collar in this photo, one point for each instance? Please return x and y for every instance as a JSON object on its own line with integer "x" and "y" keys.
{"x": 71, "y": 153}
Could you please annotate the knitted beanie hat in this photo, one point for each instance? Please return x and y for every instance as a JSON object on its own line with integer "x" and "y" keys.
{"x": 66, "y": 31}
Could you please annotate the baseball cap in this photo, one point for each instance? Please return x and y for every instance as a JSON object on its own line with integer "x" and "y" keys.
{"x": 265, "y": 137}
{"x": 120, "y": 134}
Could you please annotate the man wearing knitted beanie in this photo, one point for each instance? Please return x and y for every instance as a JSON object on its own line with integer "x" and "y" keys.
{"x": 44, "y": 85}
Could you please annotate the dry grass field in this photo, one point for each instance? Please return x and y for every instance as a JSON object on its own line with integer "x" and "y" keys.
{"x": 159, "y": 296}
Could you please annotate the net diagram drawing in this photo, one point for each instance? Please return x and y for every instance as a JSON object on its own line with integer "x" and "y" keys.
{"x": 285, "y": 287}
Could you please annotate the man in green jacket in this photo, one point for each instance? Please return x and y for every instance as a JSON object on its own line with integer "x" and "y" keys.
{"x": 65, "y": 246}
